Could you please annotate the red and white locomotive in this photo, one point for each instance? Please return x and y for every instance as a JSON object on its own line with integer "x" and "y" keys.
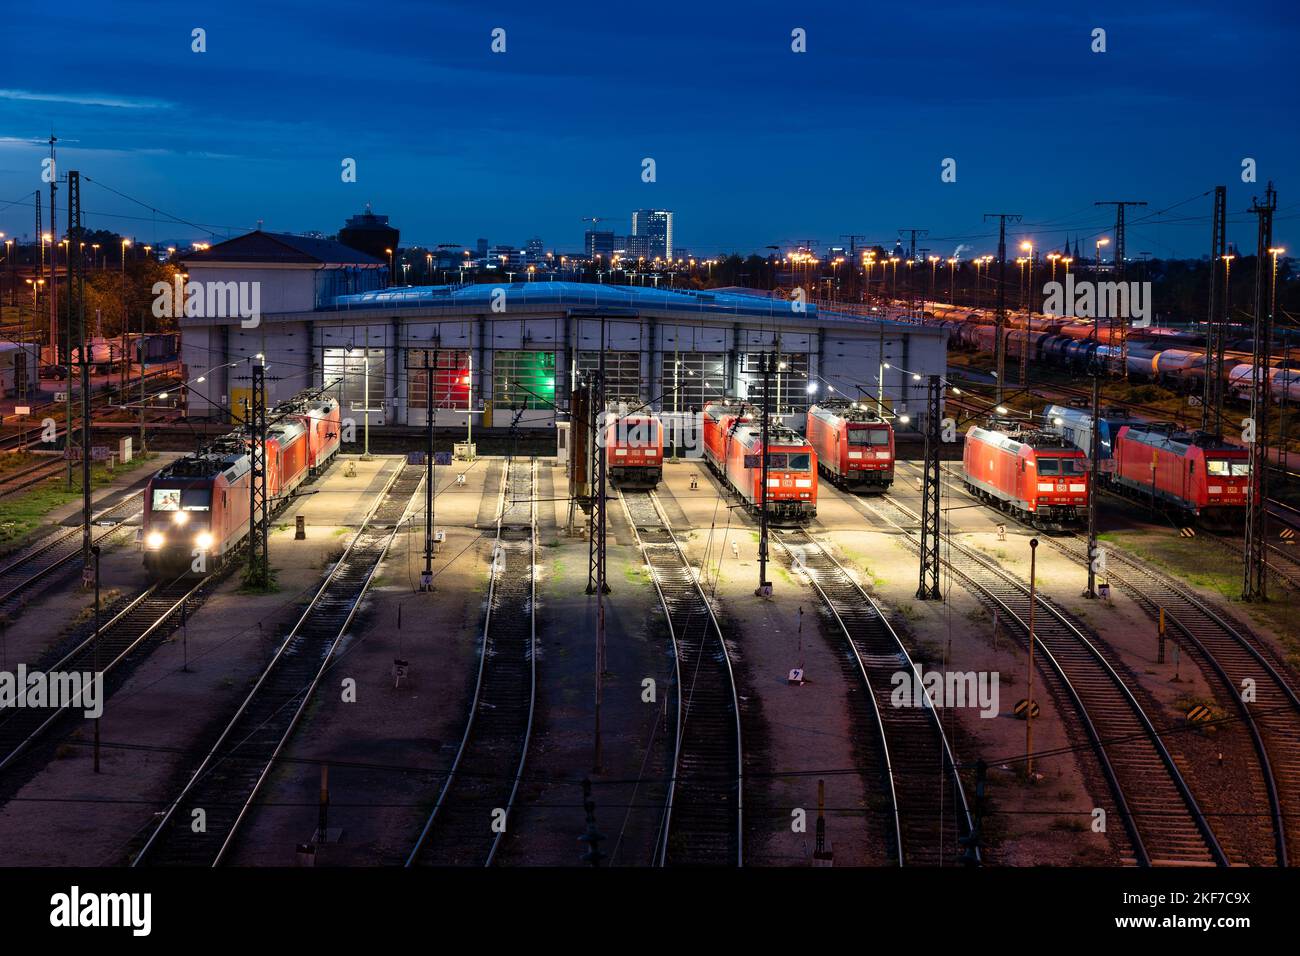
{"x": 854, "y": 445}
{"x": 1038, "y": 476}
{"x": 197, "y": 507}
{"x": 1193, "y": 472}
{"x": 718, "y": 419}
{"x": 733, "y": 447}
{"x": 634, "y": 448}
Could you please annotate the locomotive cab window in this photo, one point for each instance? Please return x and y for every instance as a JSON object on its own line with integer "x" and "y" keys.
{"x": 792, "y": 461}
{"x": 868, "y": 436}
{"x": 1226, "y": 468}
{"x": 177, "y": 499}
{"x": 1060, "y": 466}
{"x": 166, "y": 499}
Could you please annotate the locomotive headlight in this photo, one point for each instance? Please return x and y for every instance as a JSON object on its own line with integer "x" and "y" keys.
{"x": 1045, "y": 486}
{"x": 204, "y": 540}
{"x": 180, "y": 518}
{"x": 154, "y": 540}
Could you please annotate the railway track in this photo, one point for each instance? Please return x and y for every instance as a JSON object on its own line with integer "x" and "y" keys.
{"x": 32, "y": 475}
{"x": 146, "y": 618}
{"x": 37, "y": 562}
{"x": 703, "y": 812}
{"x": 1164, "y": 823}
{"x": 1233, "y": 656}
{"x": 1283, "y": 564}
{"x": 929, "y": 817}
{"x": 1228, "y": 654}
{"x": 473, "y": 809}
{"x": 232, "y": 772}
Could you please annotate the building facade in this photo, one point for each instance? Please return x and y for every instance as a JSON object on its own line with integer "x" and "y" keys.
{"x": 509, "y": 353}
{"x": 652, "y": 234}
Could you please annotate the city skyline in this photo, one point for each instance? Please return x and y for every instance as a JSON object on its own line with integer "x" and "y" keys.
{"x": 462, "y": 142}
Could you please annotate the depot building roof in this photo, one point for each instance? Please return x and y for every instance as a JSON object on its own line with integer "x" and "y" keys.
{"x": 598, "y": 297}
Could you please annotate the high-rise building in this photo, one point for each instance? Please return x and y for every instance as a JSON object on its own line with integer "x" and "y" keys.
{"x": 534, "y": 250}
{"x": 598, "y": 243}
{"x": 655, "y": 228}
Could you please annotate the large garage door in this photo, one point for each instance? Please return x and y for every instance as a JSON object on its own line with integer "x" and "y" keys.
{"x": 692, "y": 379}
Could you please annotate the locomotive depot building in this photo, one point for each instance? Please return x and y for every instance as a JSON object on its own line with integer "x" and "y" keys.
{"x": 509, "y": 351}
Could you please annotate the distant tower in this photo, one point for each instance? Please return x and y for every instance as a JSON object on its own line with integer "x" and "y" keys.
{"x": 370, "y": 234}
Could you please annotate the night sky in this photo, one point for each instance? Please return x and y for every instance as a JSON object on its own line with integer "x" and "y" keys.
{"x": 754, "y": 144}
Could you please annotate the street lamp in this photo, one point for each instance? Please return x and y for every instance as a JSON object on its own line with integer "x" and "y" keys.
{"x": 1101, "y": 242}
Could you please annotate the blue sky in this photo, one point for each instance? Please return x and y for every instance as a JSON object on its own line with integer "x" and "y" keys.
{"x": 753, "y": 144}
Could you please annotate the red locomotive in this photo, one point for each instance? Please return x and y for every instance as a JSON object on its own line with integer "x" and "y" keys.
{"x": 196, "y": 509}
{"x": 854, "y": 445}
{"x": 320, "y": 417}
{"x": 634, "y": 449}
{"x": 719, "y": 417}
{"x": 1038, "y": 476}
{"x": 791, "y": 468}
{"x": 1193, "y": 472}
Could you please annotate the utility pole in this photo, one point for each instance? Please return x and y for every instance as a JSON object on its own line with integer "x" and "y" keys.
{"x": 1119, "y": 205}
{"x": 1255, "y": 578}
{"x": 914, "y": 234}
{"x": 1029, "y": 707}
{"x": 1029, "y": 315}
{"x": 1094, "y": 459}
{"x": 77, "y": 309}
{"x": 596, "y": 581}
{"x": 853, "y": 238}
{"x": 258, "y": 499}
{"x": 1212, "y": 383}
{"x": 1000, "y": 346}
{"x": 764, "y": 588}
{"x": 426, "y": 578}
{"x": 928, "y": 588}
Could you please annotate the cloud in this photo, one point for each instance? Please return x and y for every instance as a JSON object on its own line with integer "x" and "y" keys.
{"x": 87, "y": 99}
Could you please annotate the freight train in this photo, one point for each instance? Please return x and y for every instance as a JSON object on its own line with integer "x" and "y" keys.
{"x": 1190, "y": 472}
{"x": 1035, "y": 475}
{"x": 854, "y": 445}
{"x": 634, "y": 449}
{"x": 196, "y": 509}
{"x": 734, "y": 448}
{"x": 1167, "y": 357}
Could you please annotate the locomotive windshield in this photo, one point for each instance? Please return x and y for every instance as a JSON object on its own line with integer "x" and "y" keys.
{"x": 182, "y": 499}
{"x": 865, "y": 436}
{"x": 792, "y": 461}
{"x": 1227, "y": 468}
{"x": 1061, "y": 466}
